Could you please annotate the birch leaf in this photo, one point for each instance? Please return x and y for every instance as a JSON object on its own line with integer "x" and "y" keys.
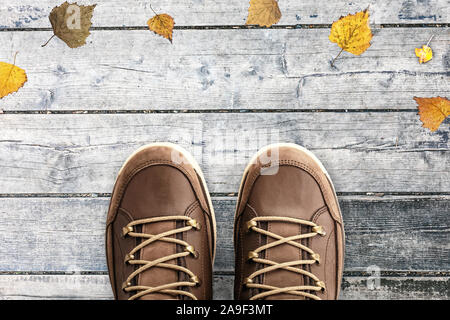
{"x": 71, "y": 23}
{"x": 264, "y": 13}
{"x": 162, "y": 24}
{"x": 425, "y": 54}
{"x": 433, "y": 111}
{"x": 352, "y": 33}
{"x": 12, "y": 78}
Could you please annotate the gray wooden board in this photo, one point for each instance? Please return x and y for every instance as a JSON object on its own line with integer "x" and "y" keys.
{"x": 67, "y": 234}
{"x": 33, "y": 14}
{"x": 98, "y": 287}
{"x": 363, "y": 151}
{"x": 225, "y": 69}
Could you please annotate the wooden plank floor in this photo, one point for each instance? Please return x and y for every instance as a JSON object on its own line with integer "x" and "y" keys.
{"x": 113, "y": 13}
{"x": 223, "y": 90}
{"x": 226, "y": 69}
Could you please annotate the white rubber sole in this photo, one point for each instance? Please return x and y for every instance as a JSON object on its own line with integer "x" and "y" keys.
{"x": 197, "y": 169}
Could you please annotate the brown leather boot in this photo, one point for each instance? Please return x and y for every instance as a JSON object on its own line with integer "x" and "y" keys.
{"x": 161, "y": 230}
{"x": 288, "y": 232}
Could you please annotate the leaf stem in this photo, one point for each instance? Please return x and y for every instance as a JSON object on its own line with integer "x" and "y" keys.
{"x": 332, "y": 62}
{"x": 153, "y": 10}
{"x": 15, "y": 55}
{"x": 48, "y": 41}
{"x": 430, "y": 40}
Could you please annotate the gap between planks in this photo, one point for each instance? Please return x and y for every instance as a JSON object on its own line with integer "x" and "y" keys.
{"x": 231, "y": 27}
{"x": 373, "y": 195}
{"x": 39, "y": 112}
{"x": 383, "y": 273}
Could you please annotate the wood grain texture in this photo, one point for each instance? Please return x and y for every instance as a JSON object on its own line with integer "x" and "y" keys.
{"x": 108, "y": 13}
{"x": 378, "y": 152}
{"x": 58, "y": 234}
{"x": 393, "y": 288}
{"x": 98, "y": 287}
{"x": 225, "y": 69}
{"x": 216, "y": 70}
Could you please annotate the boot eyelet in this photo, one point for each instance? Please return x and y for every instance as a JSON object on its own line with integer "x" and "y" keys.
{"x": 192, "y": 251}
{"x": 321, "y": 284}
{"x": 128, "y": 257}
{"x": 126, "y": 231}
{"x": 247, "y": 281}
{"x": 194, "y": 224}
{"x": 252, "y": 255}
{"x": 319, "y": 230}
{"x": 196, "y": 280}
{"x": 251, "y": 224}
{"x": 316, "y": 257}
{"x": 126, "y": 285}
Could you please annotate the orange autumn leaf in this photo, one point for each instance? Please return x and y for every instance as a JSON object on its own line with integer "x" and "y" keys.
{"x": 433, "y": 111}
{"x": 264, "y": 13}
{"x": 425, "y": 54}
{"x": 162, "y": 24}
{"x": 12, "y": 78}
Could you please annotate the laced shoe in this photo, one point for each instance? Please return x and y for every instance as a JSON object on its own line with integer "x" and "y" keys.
{"x": 288, "y": 233}
{"x": 161, "y": 230}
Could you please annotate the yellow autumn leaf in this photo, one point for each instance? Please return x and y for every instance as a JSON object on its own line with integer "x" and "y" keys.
{"x": 425, "y": 54}
{"x": 433, "y": 111}
{"x": 352, "y": 33}
{"x": 264, "y": 13}
{"x": 12, "y": 78}
{"x": 162, "y": 24}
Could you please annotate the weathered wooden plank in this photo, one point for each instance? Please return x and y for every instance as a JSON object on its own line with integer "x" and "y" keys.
{"x": 67, "y": 234}
{"x": 378, "y": 152}
{"x": 32, "y": 14}
{"x": 98, "y": 287}
{"x": 225, "y": 69}
{"x": 393, "y": 288}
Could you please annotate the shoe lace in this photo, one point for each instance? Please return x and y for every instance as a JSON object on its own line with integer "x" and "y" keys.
{"x": 269, "y": 290}
{"x": 168, "y": 288}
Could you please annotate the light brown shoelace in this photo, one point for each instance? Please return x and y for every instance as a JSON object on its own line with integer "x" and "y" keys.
{"x": 272, "y": 265}
{"x": 169, "y": 288}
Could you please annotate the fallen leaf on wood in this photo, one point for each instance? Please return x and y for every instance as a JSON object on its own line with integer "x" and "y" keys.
{"x": 264, "y": 13}
{"x": 12, "y": 78}
{"x": 433, "y": 111}
{"x": 162, "y": 24}
{"x": 352, "y": 33}
{"x": 71, "y": 23}
{"x": 425, "y": 54}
